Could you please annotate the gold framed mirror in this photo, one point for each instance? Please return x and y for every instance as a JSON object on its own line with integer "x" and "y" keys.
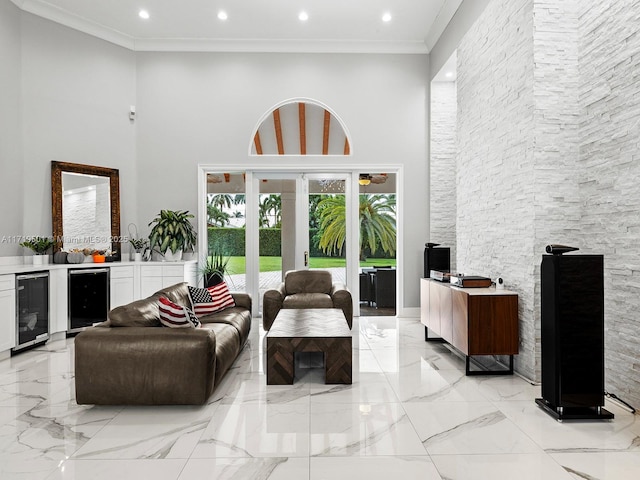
{"x": 85, "y": 207}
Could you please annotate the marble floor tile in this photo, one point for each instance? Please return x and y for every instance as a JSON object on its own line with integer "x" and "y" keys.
{"x": 410, "y": 413}
{"x": 434, "y": 357}
{"x": 534, "y": 466}
{"x": 467, "y": 428}
{"x": 362, "y": 429}
{"x": 249, "y": 430}
{"x": 118, "y": 470}
{"x": 600, "y": 466}
{"x": 373, "y": 468}
{"x": 250, "y": 388}
{"x": 420, "y": 383}
{"x": 366, "y": 388}
{"x": 38, "y": 440}
{"x": 271, "y": 468}
{"x": 622, "y": 434}
{"x": 142, "y": 432}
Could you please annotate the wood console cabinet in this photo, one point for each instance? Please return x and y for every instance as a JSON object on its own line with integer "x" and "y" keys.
{"x": 476, "y": 321}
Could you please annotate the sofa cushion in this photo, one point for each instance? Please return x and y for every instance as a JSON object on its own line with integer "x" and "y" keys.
{"x": 173, "y": 315}
{"x": 238, "y": 317}
{"x": 228, "y": 347}
{"x": 211, "y": 299}
{"x": 177, "y": 293}
{"x": 308, "y": 300}
{"x": 307, "y": 281}
{"x": 141, "y": 313}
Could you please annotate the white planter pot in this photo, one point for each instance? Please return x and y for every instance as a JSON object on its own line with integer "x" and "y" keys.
{"x": 38, "y": 259}
{"x": 169, "y": 256}
{"x": 137, "y": 256}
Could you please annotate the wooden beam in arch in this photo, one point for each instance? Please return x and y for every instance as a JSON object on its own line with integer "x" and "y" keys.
{"x": 256, "y": 142}
{"x": 325, "y": 137}
{"x": 303, "y": 128}
{"x": 347, "y": 148}
{"x": 278, "y": 127}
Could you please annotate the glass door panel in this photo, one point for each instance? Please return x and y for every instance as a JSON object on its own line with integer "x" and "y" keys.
{"x": 328, "y": 225}
{"x": 293, "y": 232}
{"x": 226, "y": 232}
{"x": 281, "y": 204}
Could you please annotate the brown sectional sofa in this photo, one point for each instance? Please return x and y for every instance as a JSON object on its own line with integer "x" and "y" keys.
{"x": 133, "y": 360}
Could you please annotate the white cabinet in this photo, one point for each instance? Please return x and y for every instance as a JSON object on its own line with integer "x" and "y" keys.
{"x": 156, "y": 277}
{"x": 122, "y": 286}
{"x": 7, "y": 312}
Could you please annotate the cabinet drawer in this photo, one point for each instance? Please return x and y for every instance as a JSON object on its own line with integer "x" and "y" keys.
{"x": 173, "y": 271}
{"x": 121, "y": 272}
{"x": 151, "y": 271}
{"x": 7, "y": 282}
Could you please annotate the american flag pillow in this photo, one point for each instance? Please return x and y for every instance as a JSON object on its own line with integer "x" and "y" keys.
{"x": 176, "y": 316}
{"x": 211, "y": 299}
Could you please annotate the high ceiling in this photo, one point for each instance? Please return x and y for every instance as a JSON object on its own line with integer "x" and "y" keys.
{"x": 256, "y": 25}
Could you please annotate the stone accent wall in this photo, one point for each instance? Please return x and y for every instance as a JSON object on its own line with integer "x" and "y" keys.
{"x": 495, "y": 188}
{"x": 610, "y": 185}
{"x": 548, "y": 137}
{"x": 442, "y": 201}
{"x": 557, "y": 201}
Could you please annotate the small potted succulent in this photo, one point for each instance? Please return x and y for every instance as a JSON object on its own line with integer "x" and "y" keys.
{"x": 40, "y": 247}
{"x": 172, "y": 233}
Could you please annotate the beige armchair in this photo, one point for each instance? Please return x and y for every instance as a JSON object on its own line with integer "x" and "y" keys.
{"x": 306, "y": 289}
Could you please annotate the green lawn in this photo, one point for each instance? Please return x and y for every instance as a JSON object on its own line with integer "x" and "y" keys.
{"x": 273, "y": 264}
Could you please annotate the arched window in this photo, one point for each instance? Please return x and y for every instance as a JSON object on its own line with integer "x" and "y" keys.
{"x": 300, "y": 127}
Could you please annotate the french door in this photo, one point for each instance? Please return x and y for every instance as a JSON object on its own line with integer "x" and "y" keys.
{"x": 297, "y": 221}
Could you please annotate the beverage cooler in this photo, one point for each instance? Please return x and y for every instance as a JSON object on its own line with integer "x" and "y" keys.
{"x": 32, "y": 309}
{"x": 88, "y": 298}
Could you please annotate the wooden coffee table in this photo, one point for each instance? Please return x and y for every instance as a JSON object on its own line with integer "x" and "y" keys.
{"x": 309, "y": 330}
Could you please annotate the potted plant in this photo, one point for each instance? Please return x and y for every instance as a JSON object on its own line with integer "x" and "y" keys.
{"x": 213, "y": 269}
{"x": 138, "y": 245}
{"x": 172, "y": 233}
{"x": 40, "y": 247}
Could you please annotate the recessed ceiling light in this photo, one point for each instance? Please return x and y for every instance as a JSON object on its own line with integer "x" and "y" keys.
{"x": 386, "y": 17}
{"x": 222, "y": 15}
{"x": 143, "y": 14}
{"x": 303, "y": 17}
{"x": 449, "y": 74}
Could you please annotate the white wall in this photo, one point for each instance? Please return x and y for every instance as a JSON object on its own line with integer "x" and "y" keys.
{"x": 76, "y": 92}
{"x": 202, "y": 108}
{"x": 11, "y": 170}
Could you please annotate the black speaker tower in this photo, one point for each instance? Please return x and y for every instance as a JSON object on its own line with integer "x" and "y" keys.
{"x": 572, "y": 335}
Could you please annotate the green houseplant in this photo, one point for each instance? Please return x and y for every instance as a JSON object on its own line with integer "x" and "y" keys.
{"x": 213, "y": 269}
{"x": 172, "y": 233}
{"x": 40, "y": 247}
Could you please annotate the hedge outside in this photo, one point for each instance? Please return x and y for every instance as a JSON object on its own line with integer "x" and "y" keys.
{"x": 230, "y": 242}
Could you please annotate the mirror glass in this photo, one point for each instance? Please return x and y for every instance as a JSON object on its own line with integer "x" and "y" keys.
{"x": 85, "y": 207}
{"x": 86, "y": 212}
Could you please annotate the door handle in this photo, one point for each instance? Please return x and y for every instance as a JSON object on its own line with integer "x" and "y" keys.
{"x": 306, "y": 259}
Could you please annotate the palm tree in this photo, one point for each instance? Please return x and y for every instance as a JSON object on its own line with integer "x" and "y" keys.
{"x": 270, "y": 210}
{"x": 377, "y": 223}
{"x": 216, "y": 217}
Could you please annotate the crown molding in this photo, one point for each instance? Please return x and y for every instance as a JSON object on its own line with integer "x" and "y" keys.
{"x": 276, "y": 46}
{"x": 441, "y": 22}
{"x": 63, "y": 17}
